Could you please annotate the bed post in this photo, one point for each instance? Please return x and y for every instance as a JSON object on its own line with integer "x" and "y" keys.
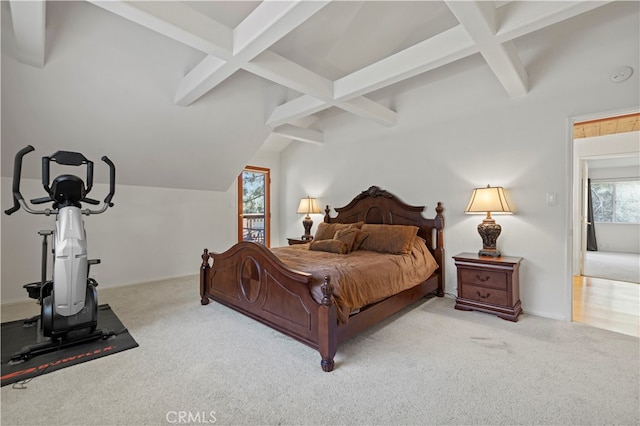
{"x": 204, "y": 299}
{"x": 327, "y": 327}
{"x": 439, "y": 250}
{"x": 327, "y": 218}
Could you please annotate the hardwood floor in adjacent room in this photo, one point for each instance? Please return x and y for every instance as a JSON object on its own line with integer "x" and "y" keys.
{"x": 607, "y": 304}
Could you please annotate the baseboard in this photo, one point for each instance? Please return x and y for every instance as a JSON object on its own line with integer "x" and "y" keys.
{"x": 26, "y": 298}
{"x": 545, "y": 315}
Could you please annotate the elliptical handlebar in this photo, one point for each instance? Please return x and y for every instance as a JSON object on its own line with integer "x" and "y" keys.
{"x": 112, "y": 181}
{"x": 112, "y": 189}
{"x": 19, "y": 201}
{"x": 17, "y": 172}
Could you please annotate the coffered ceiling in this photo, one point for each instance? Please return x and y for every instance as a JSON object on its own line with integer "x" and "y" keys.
{"x": 161, "y": 82}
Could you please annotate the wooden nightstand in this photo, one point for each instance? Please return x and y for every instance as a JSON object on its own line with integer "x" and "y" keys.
{"x": 489, "y": 284}
{"x": 293, "y": 241}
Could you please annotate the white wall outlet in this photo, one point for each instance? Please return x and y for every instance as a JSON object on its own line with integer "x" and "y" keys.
{"x": 552, "y": 198}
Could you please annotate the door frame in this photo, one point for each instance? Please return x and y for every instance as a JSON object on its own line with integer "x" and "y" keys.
{"x": 577, "y": 173}
{"x": 267, "y": 203}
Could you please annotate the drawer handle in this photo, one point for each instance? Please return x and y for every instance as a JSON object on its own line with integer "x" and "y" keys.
{"x": 483, "y": 297}
{"x": 481, "y": 279}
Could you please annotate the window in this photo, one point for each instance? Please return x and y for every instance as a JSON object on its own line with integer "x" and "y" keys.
{"x": 253, "y": 205}
{"x": 616, "y": 201}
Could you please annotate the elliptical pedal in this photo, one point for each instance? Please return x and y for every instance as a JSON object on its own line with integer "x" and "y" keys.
{"x": 52, "y": 345}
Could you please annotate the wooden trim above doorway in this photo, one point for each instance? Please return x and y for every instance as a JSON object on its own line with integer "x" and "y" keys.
{"x": 607, "y": 126}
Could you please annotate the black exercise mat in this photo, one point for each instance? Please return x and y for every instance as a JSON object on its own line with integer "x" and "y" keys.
{"x": 15, "y": 336}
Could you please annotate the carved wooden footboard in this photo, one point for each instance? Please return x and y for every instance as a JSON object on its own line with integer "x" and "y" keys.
{"x": 252, "y": 280}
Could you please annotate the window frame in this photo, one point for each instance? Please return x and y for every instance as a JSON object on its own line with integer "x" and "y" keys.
{"x": 267, "y": 207}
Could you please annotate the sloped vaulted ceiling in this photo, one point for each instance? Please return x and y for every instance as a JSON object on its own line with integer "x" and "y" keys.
{"x": 183, "y": 94}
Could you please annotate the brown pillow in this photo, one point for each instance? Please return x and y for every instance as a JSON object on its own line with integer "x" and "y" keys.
{"x": 331, "y": 246}
{"x": 326, "y": 231}
{"x": 393, "y": 239}
{"x": 360, "y": 237}
{"x": 347, "y": 236}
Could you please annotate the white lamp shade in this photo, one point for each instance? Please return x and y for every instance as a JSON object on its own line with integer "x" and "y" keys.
{"x": 308, "y": 205}
{"x": 489, "y": 199}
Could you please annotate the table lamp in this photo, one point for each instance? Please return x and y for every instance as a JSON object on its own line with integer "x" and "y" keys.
{"x": 308, "y": 205}
{"x": 489, "y": 199}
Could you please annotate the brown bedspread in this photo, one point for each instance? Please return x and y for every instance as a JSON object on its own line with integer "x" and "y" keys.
{"x": 360, "y": 277}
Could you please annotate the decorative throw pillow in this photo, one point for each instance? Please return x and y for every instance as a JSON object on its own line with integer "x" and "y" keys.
{"x": 347, "y": 236}
{"x": 326, "y": 231}
{"x": 393, "y": 239}
{"x": 331, "y": 246}
{"x": 360, "y": 237}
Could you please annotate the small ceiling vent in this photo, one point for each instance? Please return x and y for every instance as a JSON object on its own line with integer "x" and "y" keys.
{"x": 620, "y": 74}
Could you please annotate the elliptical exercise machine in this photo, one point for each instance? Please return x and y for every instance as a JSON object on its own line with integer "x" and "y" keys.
{"x": 69, "y": 302}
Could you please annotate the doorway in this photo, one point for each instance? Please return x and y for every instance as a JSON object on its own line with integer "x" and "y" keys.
{"x": 603, "y": 303}
{"x": 254, "y": 212}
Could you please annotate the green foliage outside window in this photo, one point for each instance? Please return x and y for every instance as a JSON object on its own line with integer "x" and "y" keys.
{"x": 253, "y": 192}
{"x": 616, "y": 201}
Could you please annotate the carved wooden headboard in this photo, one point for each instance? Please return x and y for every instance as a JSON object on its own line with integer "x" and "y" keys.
{"x": 378, "y": 206}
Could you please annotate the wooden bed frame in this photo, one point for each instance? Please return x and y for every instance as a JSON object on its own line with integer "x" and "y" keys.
{"x": 250, "y": 279}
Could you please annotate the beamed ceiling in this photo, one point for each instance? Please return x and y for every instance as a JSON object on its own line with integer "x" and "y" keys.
{"x": 156, "y": 85}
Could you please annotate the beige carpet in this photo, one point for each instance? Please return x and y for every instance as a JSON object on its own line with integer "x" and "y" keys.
{"x": 428, "y": 365}
{"x": 612, "y": 266}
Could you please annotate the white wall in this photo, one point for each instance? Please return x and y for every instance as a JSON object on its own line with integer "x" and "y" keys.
{"x": 618, "y": 237}
{"x": 150, "y": 233}
{"x": 457, "y": 134}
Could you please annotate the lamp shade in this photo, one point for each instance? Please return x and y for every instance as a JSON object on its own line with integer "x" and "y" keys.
{"x": 488, "y": 200}
{"x": 308, "y": 205}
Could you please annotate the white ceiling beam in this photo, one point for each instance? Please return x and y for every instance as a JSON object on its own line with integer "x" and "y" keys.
{"x": 432, "y": 53}
{"x": 177, "y": 21}
{"x": 505, "y": 63}
{"x": 269, "y": 22}
{"x": 264, "y": 26}
{"x": 519, "y": 18}
{"x": 300, "y": 107}
{"x": 28, "y": 19}
{"x": 208, "y": 73}
{"x": 274, "y": 67}
{"x": 512, "y": 20}
{"x": 299, "y": 133}
{"x": 306, "y": 105}
{"x": 366, "y": 108}
{"x": 479, "y": 19}
{"x": 245, "y": 47}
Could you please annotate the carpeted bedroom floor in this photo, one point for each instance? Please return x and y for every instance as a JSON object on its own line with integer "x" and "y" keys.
{"x": 430, "y": 364}
{"x": 613, "y": 266}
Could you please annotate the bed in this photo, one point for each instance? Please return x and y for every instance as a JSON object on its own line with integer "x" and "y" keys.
{"x": 280, "y": 287}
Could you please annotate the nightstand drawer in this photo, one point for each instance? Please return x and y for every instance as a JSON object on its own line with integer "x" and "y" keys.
{"x": 484, "y": 278}
{"x": 483, "y": 294}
